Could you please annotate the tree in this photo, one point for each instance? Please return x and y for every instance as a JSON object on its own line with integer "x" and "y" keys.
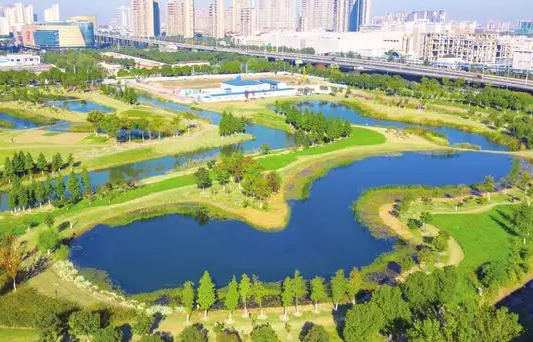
{"x": 42, "y": 163}
{"x": 488, "y": 185}
{"x": 203, "y": 178}
{"x": 228, "y": 335}
{"x": 84, "y": 323}
{"x": 50, "y": 327}
{"x": 74, "y": 187}
{"x": 70, "y": 160}
{"x": 48, "y": 240}
{"x": 206, "y": 293}
{"x": 232, "y": 297}
{"x": 29, "y": 164}
{"x": 363, "y": 323}
{"x": 57, "y": 163}
{"x": 223, "y": 176}
{"x": 108, "y": 334}
{"x": 9, "y": 171}
{"x": 86, "y": 181}
{"x": 10, "y": 258}
{"x": 522, "y": 222}
{"x": 300, "y": 289}
{"x": 188, "y": 299}
{"x": 194, "y": 333}
{"x": 265, "y": 149}
{"x": 143, "y": 324}
{"x": 264, "y": 333}
{"x": 338, "y": 288}
{"x": 287, "y": 295}
{"x": 354, "y": 283}
{"x": 318, "y": 291}
{"x": 95, "y": 118}
{"x": 315, "y": 333}
{"x": 274, "y": 181}
{"x": 60, "y": 188}
{"x": 245, "y": 292}
{"x": 258, "y": 293}
{"x": 49, "y": 189}
{"x": 39, "y": 193}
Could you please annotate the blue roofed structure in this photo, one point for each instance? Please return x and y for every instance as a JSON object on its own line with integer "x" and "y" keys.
{"x": 239, "y": 82}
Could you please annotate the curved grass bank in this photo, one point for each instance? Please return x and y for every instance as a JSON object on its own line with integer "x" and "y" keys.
{"x": 494, "y": 136}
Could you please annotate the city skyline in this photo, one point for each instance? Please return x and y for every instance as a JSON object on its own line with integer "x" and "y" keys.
{"x": 458, "y": 10}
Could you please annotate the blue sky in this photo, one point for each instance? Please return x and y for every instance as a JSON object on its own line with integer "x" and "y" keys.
{"x": 482, "y": 10}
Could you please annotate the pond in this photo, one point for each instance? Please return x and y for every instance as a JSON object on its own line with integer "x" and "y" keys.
{"x": 321, "y": 237}
{"x": 454, "y": 136}
{"x": 77, "y": 105}
{"x": 17, "y": 122}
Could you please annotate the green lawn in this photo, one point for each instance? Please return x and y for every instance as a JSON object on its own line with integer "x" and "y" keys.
{"x": 480, "y": 235}
{"x": 18, "y": 335}
{"x": 360, "y": 137}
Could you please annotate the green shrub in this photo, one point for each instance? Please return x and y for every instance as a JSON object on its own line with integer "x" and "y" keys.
{"x": 25, "y": 307}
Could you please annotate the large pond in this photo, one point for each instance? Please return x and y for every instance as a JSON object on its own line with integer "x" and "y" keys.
{"x": 322, "y": 234}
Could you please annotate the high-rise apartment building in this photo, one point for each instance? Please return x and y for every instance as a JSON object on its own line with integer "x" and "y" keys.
{"x": 343, "y": 10}
{"x": 243, "y": 17}
{"x": 157, "y": 18}
{"x": 429, "y": 16}
{"x": 220, "y": 24}
{"x": 276, "y": 15}
{"x": 124, "y": 18}
{"x": 360, "y": 15}
{"x": 228, "y": 20}
{"x": 17, "y": 14}
{"x": 248, "y": 21}
{"x": 142, "y": 18}
{"x": 318, "y": 15}
{"x": 52, "y": 15}
{"x": 180, "y": 18}
{"x": 217, "y": 22}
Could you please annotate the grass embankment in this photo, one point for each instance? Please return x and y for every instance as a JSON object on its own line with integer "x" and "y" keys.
{"x": 41, "y": 115}
{"x": 260, "y": 111}
{"x": 18, "y": 335}
{"x": 413, "y": 116}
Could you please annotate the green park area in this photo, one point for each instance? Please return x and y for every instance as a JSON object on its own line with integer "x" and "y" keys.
{"x": 454, "y": 251}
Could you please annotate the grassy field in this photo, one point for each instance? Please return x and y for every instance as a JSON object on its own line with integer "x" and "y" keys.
{"x": 482, "y": 236}
{"x": 360, "y": 137}
{"x": 18, "y": 335}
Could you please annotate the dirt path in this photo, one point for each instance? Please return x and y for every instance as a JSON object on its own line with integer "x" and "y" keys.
{"x": 455, "y": 252}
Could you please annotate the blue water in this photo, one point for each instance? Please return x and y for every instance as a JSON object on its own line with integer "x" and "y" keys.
{"x": 78, "y": 106}
{"x": 321, "y": 237}
{"x": 454, "y": 136}
{"x": 18, "y": 123}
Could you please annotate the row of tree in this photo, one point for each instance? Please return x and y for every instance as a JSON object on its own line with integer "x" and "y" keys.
{"x": 22, "y": 197}
{"x": 24, "y": 165}
{"x": 127, "y": 128}
{"x": 316, "y": 126}
{"x": 230, "y": 124}
{"x": 294, "y": 291}
{"x": 125, "y": 94}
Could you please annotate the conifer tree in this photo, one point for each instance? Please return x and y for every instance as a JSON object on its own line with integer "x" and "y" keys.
{"x": 206, "y": 293}
{"x": 232, "y": 297}
{"x": 188, "y": 299}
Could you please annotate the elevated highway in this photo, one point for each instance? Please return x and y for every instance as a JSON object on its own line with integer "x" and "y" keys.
{"x": 349, "y": 63}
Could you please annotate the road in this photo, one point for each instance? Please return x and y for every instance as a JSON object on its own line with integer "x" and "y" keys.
{"x": 371, "y": 65}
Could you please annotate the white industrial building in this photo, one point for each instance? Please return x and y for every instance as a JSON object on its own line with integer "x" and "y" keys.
{"x": 523, "y": 60}
{"x": 240, "y": 89}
